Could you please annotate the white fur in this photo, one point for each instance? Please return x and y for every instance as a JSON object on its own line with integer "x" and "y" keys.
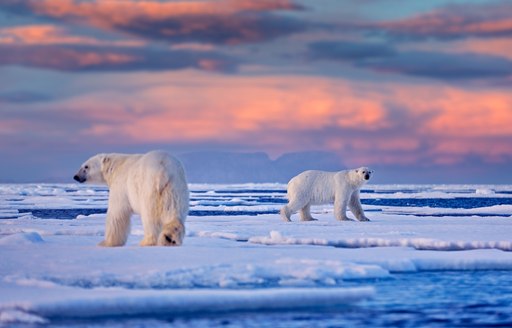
{"x": 320, "y": 187}
{"x": 152, "y": 185}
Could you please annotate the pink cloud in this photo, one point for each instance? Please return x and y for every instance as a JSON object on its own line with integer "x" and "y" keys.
{"x": 65, "y": 58}
{"x": 129, "y": 9}
{"x": 487, "y": 20}
{"x": 226, "y": 110}
{"x": 224, "y": 21}
{"x": 13, "y": 126}
{"x": 364, "y": 122}
{"x": 498, "y": 47}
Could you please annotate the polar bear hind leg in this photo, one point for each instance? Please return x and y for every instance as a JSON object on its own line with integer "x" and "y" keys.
{"x": 172, "y": 234}
{"x": 285, "y": 213}
{"x": 292, "y": 207}
{"x": 174, "y": 212}
{"x": 152, "y": 227}
{"x": 305, "y": 213}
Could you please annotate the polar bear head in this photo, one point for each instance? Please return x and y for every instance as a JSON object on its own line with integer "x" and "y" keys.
{"x": 363, "y": 174}
{"x": 91, "y": 170}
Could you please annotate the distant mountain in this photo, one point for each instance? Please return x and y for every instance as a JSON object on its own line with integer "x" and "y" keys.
{"x": 229, "y": 167}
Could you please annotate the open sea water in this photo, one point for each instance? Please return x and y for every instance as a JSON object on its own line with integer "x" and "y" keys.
{"x": 428, "y": 299}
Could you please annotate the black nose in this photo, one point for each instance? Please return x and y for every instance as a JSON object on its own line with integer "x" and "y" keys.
{"x": 77, "y": 178}
{"x": 367, "y": 177}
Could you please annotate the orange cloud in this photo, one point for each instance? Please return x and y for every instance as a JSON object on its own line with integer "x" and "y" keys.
{"x": 473, "y": 114}
{"x": 46, "y": 34}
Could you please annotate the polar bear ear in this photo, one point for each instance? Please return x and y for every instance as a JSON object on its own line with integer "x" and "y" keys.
{"x": 357, "y": 170}
{"x": 106, "y": 164}
{"x": 105, "y": 160}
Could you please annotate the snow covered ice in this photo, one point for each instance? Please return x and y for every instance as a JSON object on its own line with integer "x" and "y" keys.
{"x": 238, "y": 255}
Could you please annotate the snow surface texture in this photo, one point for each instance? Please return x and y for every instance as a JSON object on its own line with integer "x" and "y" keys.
{"x": 234, "y": 258}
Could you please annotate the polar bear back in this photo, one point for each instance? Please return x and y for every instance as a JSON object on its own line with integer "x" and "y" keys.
{"x": 319, "y": 187}
{"x": 315, "y": 186}
{"x": 150, "y": 175}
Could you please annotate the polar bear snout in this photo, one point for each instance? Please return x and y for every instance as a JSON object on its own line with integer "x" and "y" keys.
{"x": 367, "y": 176}
{"x": 79, "y": 178}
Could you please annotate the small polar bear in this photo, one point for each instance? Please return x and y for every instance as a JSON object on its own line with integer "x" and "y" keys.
{"x": 320, "y": 187}
{"x": 152, "y": 185}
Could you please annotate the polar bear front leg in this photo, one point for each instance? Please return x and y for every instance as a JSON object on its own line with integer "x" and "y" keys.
{"x": 340, "y": 206}
{"x": 356, "y": 208}
{"x": 117, "y": 226}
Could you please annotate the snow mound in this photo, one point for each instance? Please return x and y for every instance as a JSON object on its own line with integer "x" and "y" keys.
{"x": 26, "y": 238}
{"x": 218, "y": 234}
{"x": 276, "y": 238}
{"x": 485, "y": 191}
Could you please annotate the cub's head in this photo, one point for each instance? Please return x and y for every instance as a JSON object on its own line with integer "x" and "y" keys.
{"x": 363, "y": 173}
{"x": 91, "y": 170}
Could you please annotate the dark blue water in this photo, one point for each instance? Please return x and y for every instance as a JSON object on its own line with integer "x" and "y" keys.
{"x": 72, "y": 213}
{"x": 428, "y": 299}
{"x": 459, "y": 202}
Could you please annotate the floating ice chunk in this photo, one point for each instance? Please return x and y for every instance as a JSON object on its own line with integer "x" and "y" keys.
{"x": 282, "y": 272}
{"x": 101, "y": 216}
{"x": 31, "y": 282}
{"x": 19, "y": 317}
{"x": 113, "y": 303}
{"x": 461, "y": 264}
{"x": 22, "y": 238}
{"x": 485, "y": 191}
{"x": 8, "y": 213}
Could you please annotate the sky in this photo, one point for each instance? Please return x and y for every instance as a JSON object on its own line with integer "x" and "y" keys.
{"x": 417, "y": 90}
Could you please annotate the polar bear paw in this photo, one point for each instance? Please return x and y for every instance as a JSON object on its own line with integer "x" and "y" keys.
{"x": 172, "y": 234}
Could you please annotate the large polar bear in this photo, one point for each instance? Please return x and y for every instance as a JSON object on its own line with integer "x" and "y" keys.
{"x": 152, "y": 185}
{"x": 320, "y": 187}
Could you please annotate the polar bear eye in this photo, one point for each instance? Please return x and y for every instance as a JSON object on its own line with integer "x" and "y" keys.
{"x": 86, "y": 167}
